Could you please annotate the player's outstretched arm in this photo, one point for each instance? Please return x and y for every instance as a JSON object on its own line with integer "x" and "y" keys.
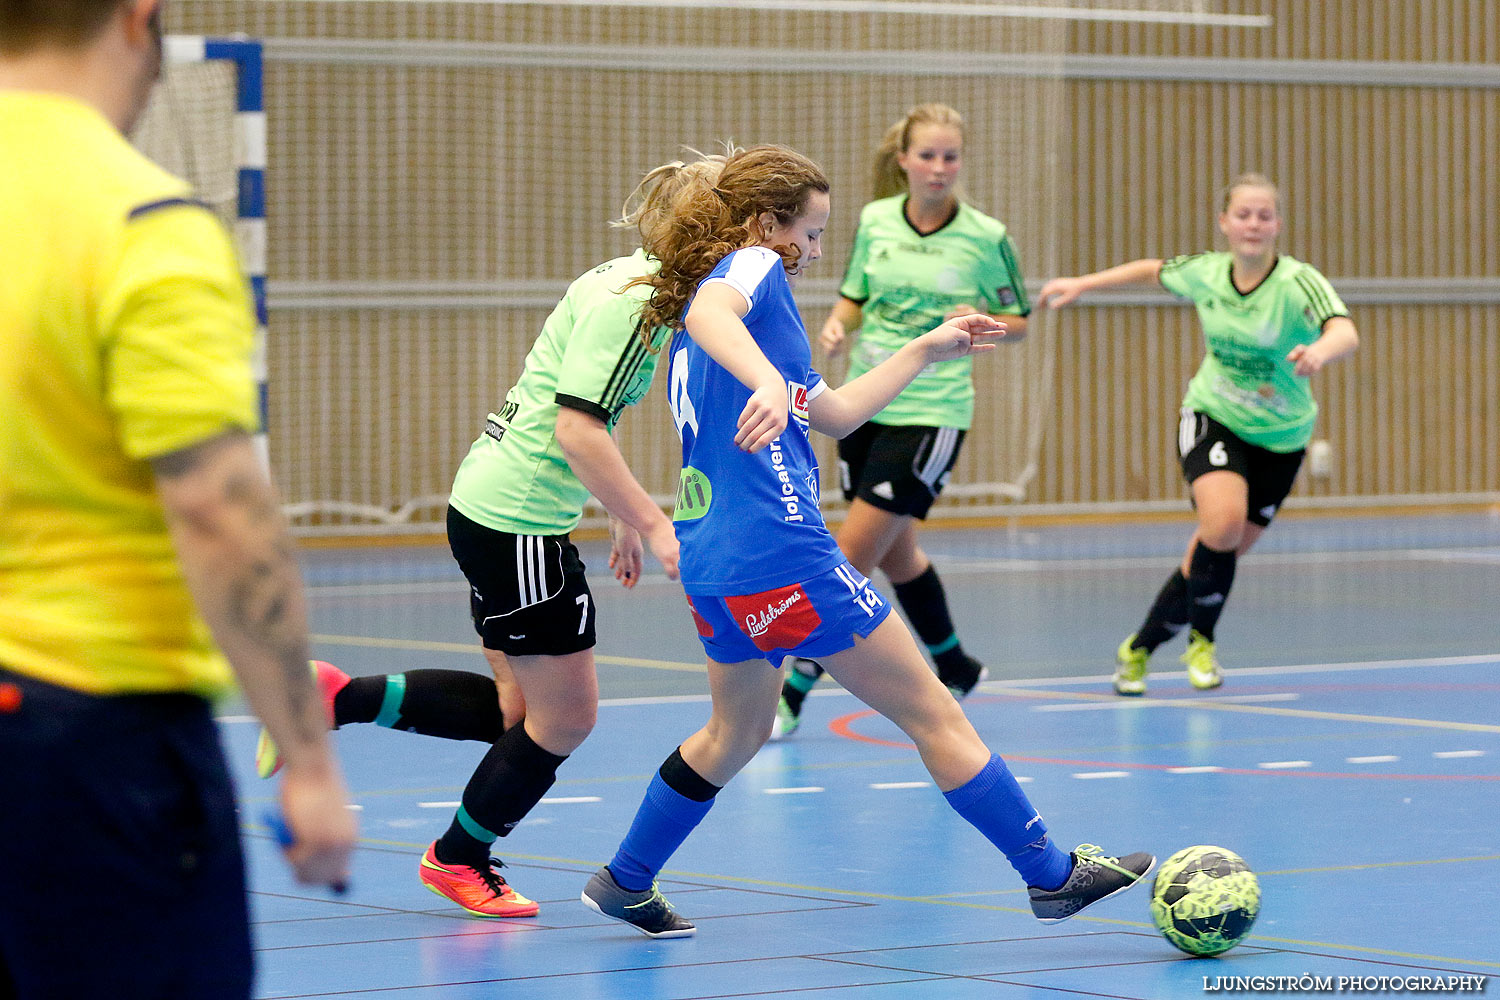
{"x": 242, "y": 570}
{"x": 715, "y": 321}
{"x": 596, "y": 460}
{"x": 837, "y": 412}
{"x": 1060, "y": 292}
{"x": 843, "y": 320}
{"x": 1339, "y": 339}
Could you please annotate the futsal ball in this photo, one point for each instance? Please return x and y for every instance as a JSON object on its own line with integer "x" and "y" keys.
{"x": 1204, "y": 900}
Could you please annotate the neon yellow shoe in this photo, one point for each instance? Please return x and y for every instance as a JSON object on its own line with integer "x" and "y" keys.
{"x": 331, "y": 681}
{"x": 1203, "y": 667}
{"x": 1130, "y": 671}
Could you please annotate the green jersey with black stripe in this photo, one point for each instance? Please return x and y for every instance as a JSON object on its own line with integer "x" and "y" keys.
{"x": 906, "y": 282}
{"x": 588, "y": 357}
{"x": 1246, "y": 382}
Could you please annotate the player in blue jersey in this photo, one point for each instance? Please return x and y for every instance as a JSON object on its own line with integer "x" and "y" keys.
{"x": 517, "y": 495}
{"x": 764, "y": 577}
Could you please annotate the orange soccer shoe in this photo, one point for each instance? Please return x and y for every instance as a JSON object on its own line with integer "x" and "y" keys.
{"x": 331, "y": 681}
{"x": 480, "y": 891}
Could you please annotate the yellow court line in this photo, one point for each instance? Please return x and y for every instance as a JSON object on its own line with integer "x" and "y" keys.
{"x": 1026, "y": 911}
{"x": 1382, "y": 864}
{"x": 1225, "y": 706}
{"x": 430, "y": 646}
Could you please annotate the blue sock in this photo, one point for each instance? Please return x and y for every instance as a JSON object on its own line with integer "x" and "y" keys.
{"x": 993, "y": 802}
{"x": 662, "y": 823}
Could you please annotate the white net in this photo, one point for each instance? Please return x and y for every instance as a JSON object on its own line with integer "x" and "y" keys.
{"x": 439, "y": 171}
{"x": 188, "y": 128}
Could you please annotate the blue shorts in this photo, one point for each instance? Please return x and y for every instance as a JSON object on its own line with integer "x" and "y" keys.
{"x": 815, "y": 618}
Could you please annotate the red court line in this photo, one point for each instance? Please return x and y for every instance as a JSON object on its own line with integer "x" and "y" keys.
{"x": 844, "y": 726}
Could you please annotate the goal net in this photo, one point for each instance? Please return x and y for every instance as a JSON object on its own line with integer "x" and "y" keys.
{"x": 205, "y": 123}
{"x": 442, "y": 169}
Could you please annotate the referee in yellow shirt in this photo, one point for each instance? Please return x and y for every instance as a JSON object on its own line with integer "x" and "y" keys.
{"x": 139, "y": 538}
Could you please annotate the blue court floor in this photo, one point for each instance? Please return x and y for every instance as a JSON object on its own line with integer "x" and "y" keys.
{"x": 1352, "y": 757}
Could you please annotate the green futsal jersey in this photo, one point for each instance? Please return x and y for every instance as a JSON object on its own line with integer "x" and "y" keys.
{"x": 905, "y": 283}
{"x": 1245, "y": 382}
{"x": 589, "y": 358}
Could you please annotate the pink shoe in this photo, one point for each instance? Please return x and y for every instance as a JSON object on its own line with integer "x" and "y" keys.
{"x": 331, "y": 681}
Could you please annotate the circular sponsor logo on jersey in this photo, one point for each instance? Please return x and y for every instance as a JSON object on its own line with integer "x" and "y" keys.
{"x": 948, "y": 280}
{"x": 694, "y": 494}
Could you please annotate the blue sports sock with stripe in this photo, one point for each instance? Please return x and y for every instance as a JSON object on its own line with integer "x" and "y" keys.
{"x": 993, "y": 802}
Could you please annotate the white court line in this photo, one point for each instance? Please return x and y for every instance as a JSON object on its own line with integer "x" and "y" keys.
{"x": 1479, "y": 554}
{"x": 561, "y": 800}
{"x": 804, "y": 790}
{"x": 1450, "y": 754}
{"x": 1382, "y": 758}
{"x": 1109, "y": 706}
{"x": 1200, "y": 769}
{"x": 387, "y": 589}
{"x": 1284, "y": 765}
{"x": 1000, "y": 686}
{"x": 1319, "y": 558}
{"x": 1461, "y": 556}
{"x": 1088, "y": 775}
{"x": 885, "y": 785}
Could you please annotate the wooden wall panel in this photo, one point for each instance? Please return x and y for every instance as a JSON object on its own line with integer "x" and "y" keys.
{"x": 443, "y": 178}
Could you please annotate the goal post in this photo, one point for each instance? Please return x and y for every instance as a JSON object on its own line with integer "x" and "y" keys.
{"x": 206, "y": 123}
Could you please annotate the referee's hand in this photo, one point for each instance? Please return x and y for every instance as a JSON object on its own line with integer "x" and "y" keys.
{"x": 319, "y": 825}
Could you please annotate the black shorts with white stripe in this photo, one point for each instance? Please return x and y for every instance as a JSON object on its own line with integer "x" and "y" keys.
{"x": 899, "y": 469}
{"x": 527, "y": 593}
{"x": 1204, "y": 445}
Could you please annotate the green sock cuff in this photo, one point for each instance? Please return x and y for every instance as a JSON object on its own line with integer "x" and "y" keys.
{"x": 798, "y": 681}
{"x": 390, "y": 703}
{"x": 944, "y": 646}
{"x": 473, "y": 829}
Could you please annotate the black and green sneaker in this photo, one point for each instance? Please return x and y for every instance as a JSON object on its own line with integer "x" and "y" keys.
{"x": 1094, "y": 877}
{"x": 647, "y": 911}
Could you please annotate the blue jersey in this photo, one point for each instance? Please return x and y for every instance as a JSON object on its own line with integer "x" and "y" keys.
{"x": 747, "y": 523}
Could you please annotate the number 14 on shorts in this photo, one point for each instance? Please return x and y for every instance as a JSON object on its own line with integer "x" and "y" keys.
{"x": 859, "y": 588}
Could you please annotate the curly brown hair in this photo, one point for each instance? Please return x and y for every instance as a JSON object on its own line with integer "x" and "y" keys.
{"x": 707, "y": 221}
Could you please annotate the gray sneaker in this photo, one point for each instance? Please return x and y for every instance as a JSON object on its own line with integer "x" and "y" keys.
{"x": 648, "y": 911}
{"x": 1094, "y": 877}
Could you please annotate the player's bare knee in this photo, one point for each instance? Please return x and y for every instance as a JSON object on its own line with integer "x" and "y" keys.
{"x": 1222, "y": 534}
{"x": 940, "y": 724}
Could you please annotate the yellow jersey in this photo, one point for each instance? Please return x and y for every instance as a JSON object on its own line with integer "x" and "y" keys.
{"x": 125, "y": 334}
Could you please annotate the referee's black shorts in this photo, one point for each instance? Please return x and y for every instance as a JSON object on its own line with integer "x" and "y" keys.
{"x": 123, "y": 875}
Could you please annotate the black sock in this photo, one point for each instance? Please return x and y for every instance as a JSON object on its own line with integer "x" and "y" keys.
{"x": 682, "y": 779}
{"x": 801, "y": 675}
{"x": 1168, "y": 615}
{"x": 449, "y": 704}
{"x": 510, "y": 780}
{"x": 1210, "y": 575}
{"x": 926, "y": 606}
